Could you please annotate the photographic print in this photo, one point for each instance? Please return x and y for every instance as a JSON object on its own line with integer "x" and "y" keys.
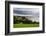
{"x": 24, "y": 17}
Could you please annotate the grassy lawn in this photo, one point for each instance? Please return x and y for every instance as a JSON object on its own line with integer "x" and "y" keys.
{"x": 25, "y": 25}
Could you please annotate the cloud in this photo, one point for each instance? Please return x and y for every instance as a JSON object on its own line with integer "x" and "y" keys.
{"x": 26, "y": 11}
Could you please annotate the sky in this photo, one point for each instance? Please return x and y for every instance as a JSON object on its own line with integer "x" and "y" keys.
{"x": 26, "y": 11}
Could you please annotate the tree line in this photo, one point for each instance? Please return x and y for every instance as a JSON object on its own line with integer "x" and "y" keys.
{"x": 23, "y": 20}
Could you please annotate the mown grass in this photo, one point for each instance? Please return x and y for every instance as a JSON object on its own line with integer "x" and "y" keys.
{"x": 25, "y": 25}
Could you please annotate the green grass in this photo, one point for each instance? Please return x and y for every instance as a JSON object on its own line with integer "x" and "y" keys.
{"x": 25, "y": 25}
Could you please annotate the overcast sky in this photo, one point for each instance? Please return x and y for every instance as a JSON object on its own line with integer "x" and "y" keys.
{"x": 26, "y": 11}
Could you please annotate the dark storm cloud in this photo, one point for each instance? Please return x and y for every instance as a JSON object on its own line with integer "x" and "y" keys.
{"x": 26, "y": 11}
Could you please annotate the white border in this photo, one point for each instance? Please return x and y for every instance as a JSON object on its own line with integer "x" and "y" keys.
{"x": 24, "y": 29}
